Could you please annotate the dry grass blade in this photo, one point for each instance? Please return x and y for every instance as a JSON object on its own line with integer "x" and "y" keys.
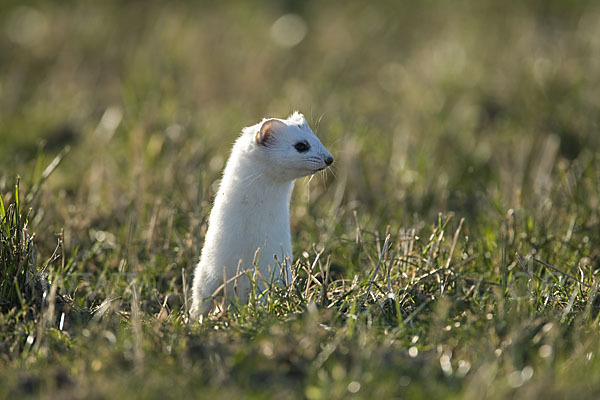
{"x": 454, "y": 241}
{"x": 552, "y": 267}
{"x": 379, "y": 261}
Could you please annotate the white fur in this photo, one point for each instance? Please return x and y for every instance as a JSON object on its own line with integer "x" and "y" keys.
{"x": 251, "y": 210}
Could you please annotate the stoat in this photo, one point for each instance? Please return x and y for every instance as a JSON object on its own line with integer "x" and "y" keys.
{"x": 251, "y": 212}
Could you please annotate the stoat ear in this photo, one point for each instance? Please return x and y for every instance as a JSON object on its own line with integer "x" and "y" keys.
{"x": 267, "y": 130}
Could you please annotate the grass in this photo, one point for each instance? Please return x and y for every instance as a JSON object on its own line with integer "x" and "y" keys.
{"x": 17, "y": 256}
{"x": 454, "y": 253}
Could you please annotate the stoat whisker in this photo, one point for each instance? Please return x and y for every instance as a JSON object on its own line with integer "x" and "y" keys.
{"x": 318, "y": 123}
{"x": 254, "y": 177}
{"x": 250, "y": 176}
{"x": 257, "y": 176}
{"x": 324, "y": 178}
{"x": 331, "y": 169}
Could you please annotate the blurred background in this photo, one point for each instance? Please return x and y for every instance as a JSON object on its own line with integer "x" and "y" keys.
{"x": 118, "y": 117}
{"x": 468, "y": 107}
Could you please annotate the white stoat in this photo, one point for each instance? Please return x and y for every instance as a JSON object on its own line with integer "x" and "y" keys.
{"x": 252, "y": 208}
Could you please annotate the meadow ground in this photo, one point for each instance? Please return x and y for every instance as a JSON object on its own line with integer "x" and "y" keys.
{"x": 452, "y": 252}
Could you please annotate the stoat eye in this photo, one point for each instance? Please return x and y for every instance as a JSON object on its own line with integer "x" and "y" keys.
{"x": 302, "y": 147}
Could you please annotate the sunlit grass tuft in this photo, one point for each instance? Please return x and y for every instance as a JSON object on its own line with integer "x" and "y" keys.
{"x": 19, "y": 277}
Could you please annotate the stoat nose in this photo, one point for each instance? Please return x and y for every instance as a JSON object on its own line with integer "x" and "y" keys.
{"x": 329, "y": 160}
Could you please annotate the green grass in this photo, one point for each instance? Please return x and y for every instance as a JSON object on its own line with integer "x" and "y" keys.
{"x": 453, "y": 251}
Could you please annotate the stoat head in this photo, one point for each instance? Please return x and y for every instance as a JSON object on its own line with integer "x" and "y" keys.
{"x": 289, "y": 147}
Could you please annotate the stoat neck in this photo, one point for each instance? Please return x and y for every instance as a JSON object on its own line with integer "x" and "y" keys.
{"x": 251, "y": 189}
